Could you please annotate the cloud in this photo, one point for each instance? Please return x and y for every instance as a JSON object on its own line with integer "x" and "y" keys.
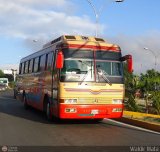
{"x": 134, "y": 45}
{"x": 9, "y": 66}
{"x": 38, "y": 4}
{"x": 28, "y": 20}
{"x": 25, "y": 19}
{"x": 44, "y": 20}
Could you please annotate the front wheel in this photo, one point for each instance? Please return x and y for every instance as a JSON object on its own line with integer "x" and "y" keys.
{"x": 48, "y": 111}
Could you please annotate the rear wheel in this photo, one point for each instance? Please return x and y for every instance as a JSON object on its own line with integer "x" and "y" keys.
{"x": 47, "y": 109}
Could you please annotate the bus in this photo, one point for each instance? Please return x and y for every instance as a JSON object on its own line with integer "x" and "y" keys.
{"x": 74, "y": 77}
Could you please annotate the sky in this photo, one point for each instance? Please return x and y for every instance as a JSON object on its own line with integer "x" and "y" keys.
{"x": 132, "y": 24}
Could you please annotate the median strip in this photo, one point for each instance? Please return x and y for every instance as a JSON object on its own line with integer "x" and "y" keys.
{"x": 141, "y": 120}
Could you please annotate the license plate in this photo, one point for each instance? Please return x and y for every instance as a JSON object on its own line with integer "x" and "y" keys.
{"x": 94, "y": 112}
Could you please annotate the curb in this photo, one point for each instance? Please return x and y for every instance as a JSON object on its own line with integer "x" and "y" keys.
{"x": 138, "y": 123}
{"x": 139, "y": 114}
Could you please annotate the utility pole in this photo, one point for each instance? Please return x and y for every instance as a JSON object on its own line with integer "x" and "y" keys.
{"x": 97, "y": 13}
{"x": 14, "y": 72}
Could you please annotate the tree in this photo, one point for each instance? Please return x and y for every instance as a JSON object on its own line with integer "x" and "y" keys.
{"x": 150, "y": 81}
{"x": 1, "y": 74}
{"x": 149, "y": 84}
{"x": 131, "y": 85}
{"x": 156, "y": 101}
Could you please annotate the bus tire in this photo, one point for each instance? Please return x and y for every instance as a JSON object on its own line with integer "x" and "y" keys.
{"x": 47, "y": 109}
{"x": 48, "y": 112}
{"x": 25, "y": 104}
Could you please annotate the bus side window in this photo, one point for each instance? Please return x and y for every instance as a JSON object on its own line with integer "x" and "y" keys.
{"x": 46, "y": 61}
{"x": 42, "y": 63}
{"x": 39, "y": 62}
{"x": 36, "y": 63}
{"x": 31, "y": 66}
{"x": 28, "y": 64}
{"x": 26, "y": 67}
{"x": 50, "y": 59}
{"x": 20, "y": 68}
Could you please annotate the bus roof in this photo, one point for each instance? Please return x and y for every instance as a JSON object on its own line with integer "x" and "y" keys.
{"x": 80, "y": 39}
{"x": 76, "y": 41}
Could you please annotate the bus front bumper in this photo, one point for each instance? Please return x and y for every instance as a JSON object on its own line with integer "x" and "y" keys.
{"x": 73, "y": 111}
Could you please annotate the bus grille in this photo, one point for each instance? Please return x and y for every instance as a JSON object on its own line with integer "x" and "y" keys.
{"x": 94, "y": 101}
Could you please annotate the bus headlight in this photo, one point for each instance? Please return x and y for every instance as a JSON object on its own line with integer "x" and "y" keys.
{"x": 70, "y": 110}
{"x": 71, "y": 101}
{"x": 117, "y": 101}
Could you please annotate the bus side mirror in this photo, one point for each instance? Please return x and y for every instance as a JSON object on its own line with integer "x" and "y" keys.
{"x": 129, "y": 60}
{"x": 60, "y": 60}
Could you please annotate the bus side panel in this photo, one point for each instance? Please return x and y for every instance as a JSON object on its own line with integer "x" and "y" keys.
{"x": 40, "y": 87}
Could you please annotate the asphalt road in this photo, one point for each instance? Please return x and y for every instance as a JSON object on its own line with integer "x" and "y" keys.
{"x": 22, "y": 127}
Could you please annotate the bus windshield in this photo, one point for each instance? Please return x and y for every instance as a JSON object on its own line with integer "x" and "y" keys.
{"x": 79, "y": 66}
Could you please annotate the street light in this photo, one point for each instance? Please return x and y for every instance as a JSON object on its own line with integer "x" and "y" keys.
{"x": 154, "y": 54}
{"x": 14, "y": 71}
{"x": 97, "y": 12}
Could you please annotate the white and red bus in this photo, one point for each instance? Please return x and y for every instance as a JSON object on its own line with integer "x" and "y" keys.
{"x": 74, "y": 77}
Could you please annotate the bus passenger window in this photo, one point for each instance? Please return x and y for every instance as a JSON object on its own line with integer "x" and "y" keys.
{"x": 31, "y": 66}
{"x": 42, "y": 63}
{"x": 46, "y": 61}
{"x": 36, "y": 62}
{"x": 26, "y": 67}
{"x": 39, "y": 64}
{"x": 20, "y": 68}
{"x": 49, "y": 62}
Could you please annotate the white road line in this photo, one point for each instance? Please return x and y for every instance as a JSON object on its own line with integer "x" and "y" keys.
{"x": 131, "y": 126}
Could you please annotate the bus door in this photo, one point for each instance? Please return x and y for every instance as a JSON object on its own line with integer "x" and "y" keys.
{"x": 55, "y": 81}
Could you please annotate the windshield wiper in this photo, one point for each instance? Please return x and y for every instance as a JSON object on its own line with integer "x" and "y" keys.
{"x": 85, "y": 76}
{"x": 104, "y": 75}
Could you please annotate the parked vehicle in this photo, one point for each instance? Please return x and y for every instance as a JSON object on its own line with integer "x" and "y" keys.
{"x": 3, "y": 87}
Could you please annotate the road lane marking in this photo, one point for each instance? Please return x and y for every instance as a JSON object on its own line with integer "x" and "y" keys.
{"x": 131, "y": 126}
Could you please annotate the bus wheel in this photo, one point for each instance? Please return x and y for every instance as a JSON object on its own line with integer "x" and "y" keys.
{"x": 48, "y": 112}
{"x": 26, "y": 106}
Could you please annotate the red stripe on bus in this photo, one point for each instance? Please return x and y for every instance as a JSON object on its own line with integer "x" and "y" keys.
{"x": 105, "y": 48}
